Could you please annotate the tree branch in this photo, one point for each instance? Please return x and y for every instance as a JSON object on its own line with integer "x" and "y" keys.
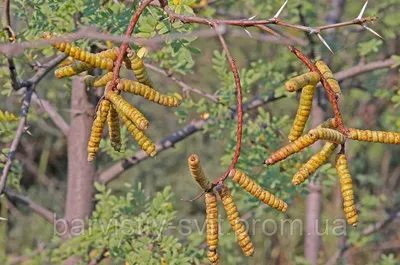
{"x": 239, "y": 107}
{"x": 53, "y": 114}
{"x": 182, "y": 84}
{"x": 20, "y": 130}
{"x": 196, "y": 126}
{"x": 35, "y": 207}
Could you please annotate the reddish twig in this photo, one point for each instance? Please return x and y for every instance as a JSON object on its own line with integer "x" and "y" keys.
{"x": 329, "y": 91}
{"x": 239, "y": 107}
{"x": 124, "y": 45}
{"x": 331, "y": 94}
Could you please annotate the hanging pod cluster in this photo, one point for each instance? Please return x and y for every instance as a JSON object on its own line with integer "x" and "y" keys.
{"x": 326, "y": 132}
{"x": 231, "y": 210}
{"x": 112, "y": 105}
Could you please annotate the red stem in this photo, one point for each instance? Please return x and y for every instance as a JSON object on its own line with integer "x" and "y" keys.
{"x": 124, "y": 45}
{"x": 239, "y": 107}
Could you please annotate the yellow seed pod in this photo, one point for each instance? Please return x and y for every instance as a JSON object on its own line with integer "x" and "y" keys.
{"x": 328, "y": 75}
{"x": 198, "y": 173}
{"x": 303, "y": 112}
{"x": 138, "y": 68}
{"x": 97, "y": 81}
{"x": 145, "y": 143}
{"x": 253, "y": 188}
{"x": 129, "y": 111}
{"x": 114, "y": 129}
{"x": 97, "y": 129}
{"x": 293, "y": 147}
{"x": 75, "y": 68}
{"x": 110, "y": 53}
{"x": 329, "y": 124}
{"x": 314, "y": 163}
{"x": 328, "y": 135}
{"x": 147, "y": 92}
{"x": 213, "y": 257}
{"x": 301, "y": 81}
{"x": 212, "y": 220}
{"x": 234, "y": 219}
{"x": 375, "y": 136}
{"x": 347, "y": 190}
{"x": 81, "y": 55}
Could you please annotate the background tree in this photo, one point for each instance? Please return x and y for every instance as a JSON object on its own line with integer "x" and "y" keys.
{"x": 49, "y": 168}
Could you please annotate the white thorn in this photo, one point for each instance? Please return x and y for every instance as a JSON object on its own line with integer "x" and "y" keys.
{"x": 248, "y": 33}
{"x": 324, "y": 42}
{"x": 374, "y": 32}
{"x": 3, "y": 219}
{"x": 253, "y": 17}
{"x": 362, "y": 10}
{"x": 280, "y": 10}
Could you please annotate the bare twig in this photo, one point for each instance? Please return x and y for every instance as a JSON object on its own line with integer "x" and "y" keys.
{"x": 182, "y": 84}
{"x": 20, "y": 130}
{"x": 53, "y": 114}
{"x": 35, "y": 207}
{"x": 239, "y": 106}
{"x": 124, "y": 45}
{"x": 11, "y": 38}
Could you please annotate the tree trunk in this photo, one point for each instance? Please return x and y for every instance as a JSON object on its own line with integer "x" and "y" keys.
{"x": 312, "y": 242}
{"x": 81, "y": 173}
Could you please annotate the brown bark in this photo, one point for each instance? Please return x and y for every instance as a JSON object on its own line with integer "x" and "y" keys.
{"x": 312, "y": 241}
{"x": 80, "y": 172}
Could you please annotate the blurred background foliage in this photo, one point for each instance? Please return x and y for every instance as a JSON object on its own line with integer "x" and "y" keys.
{"x": 369, "y": 101}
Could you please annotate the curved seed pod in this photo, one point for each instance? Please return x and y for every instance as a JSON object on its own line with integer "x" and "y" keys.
{"x": 303, "y": 113}
{"x": 314, "y": 163}
{"x": 347, "y": 189}
{"x": 329, "y": 124}
{"x": 375, "y": 136}
{"x": 147, "y": 92}
{"x": 328, "y": 75}
{"x": 110, "y": 53}
{"x": 198, "y": 173}
{"x": 301, "y": 81}
{"x": 129, "y": 111}
{"x": 97, "y": 129}
{"x": 234, "y": 219}
{"x": 114, "y": 129}
{"x": 253, "y": 188}
{"x": 213, "y": 256}
{"x": 293, "y": 147}
{"x": 145, "y": 143}
{"x": 328, "y": 135}
{"x": 78, "y": 67}
{"x": 138, "y": 68}
{"x": 97, "y": 81}
{"x": 212, "y": 220}
{"x": 81, "y": 55}
{"x": 75, "y": 68}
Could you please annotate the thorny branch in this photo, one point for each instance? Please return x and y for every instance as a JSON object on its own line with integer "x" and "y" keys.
{"x": 168, "y": 142}
{"x": 124, "y": 45}
{"x": 239, "y": 106}
{"x": 20, "y": 130}
{"x": 29, "y": 85}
